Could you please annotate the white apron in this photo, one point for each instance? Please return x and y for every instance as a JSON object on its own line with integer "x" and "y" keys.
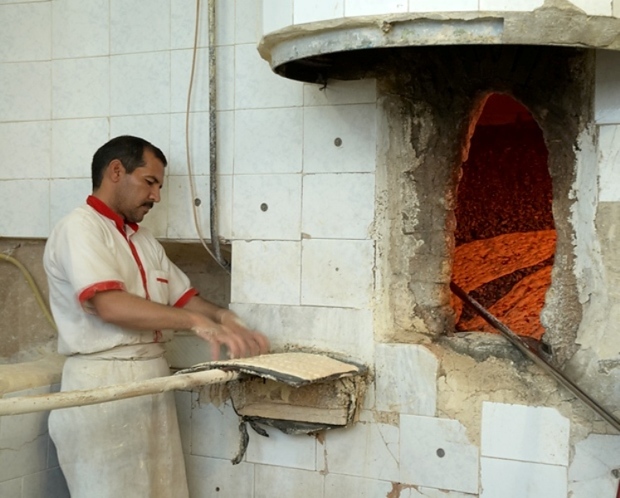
{"x": 128, "y": 448}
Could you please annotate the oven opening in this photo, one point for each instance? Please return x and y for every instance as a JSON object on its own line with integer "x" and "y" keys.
{"x": 505, "y": 234}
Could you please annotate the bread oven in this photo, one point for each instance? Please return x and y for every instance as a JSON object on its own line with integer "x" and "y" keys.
{"x": 487, "y": 168}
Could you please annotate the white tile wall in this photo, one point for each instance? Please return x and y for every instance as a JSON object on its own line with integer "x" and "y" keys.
{"x": 354, "y": 126}
{"x": 442, "y": 5}
{"x": 215, "y": 431}
{"x": 370, "y": 7}
{"x": 180, "y": 212}
{"x": 225, "y": 78}
{"x": 25, "y": 89}
{"x": 414, "y": 370}
{"x": 321, "y": 461}
{"x": 379, "y": 458}
{"x": 247, "y": 21}
{"x": 181, "y": 223}
{"x": 338, "y": 206}
{"x": 282, "y": 450}
{"x": 337, "y": 486}
{"x": 537, "y": 434}
{"x": 183, "y": 24}
{"x": 594, "y": 7}
{"x": 225, "y": 141}
{"x": 78, "y": 32}
{"x": 180, "y": 72}
{"x": 276, "y": 14}
{"x": 74, "y": 141}
{"x": 157, "y": 219}
{"x": 607, "y": 90}
{"x": 422, "y": 492}
{"x": 25, "y": 149}
{"x": 287, "y": 482}
{"x": 317, "y": 10}
{"x": 256, "y": 86}
{"x": 436, "y": 453}
{"x": 268, "y": 141}
{"x": 154, "y": 127}
{"x": 25, "y": 31}
{"x": 341, "y": 92}
{"x": 140, "y": 84}
{"x": 267, "y": 207}
{"x": 265, "y": 272}
{"x": 510, "y": 5}
{"x": 199, "y": 140}
{"x": 137, "y": 26}
{"x": 181, "y": 66}
{"x": 369, "y": 398}
{"x": 65, "y": 195}
{"x": 216, "y": 477}
{"x": 17, "y": 203}
{"x": 589, "y": 473}
{"x": 512, "y": 479}
{"x": 345, "y": 331}
{"x": 337, "y": 273}
{"x": 81, "y": 88}
{"x": 225, "y": 23}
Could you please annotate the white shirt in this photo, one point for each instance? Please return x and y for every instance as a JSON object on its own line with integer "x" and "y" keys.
{"x": 93, "y": 250}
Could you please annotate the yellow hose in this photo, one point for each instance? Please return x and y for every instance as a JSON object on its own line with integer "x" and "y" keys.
{"x": 33, "y": 286}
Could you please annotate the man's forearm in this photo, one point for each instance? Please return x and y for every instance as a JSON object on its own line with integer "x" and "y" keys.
{"x": 130, "y": 311}
{"x": 207, "y": 308}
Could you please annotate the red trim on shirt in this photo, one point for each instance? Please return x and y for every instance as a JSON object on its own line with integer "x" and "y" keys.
{"x": 90, "y": 291}
{"x": 162, "y": 280}
{"x": 185, "y": 298}
{"x": 136, "y": 256}
{"x": 105, "y": 210}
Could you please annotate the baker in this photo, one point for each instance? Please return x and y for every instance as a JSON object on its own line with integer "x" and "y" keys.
{"x": 113, "y": 293}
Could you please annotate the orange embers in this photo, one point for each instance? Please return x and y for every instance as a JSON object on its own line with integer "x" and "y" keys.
{"x": 483, "y": 261}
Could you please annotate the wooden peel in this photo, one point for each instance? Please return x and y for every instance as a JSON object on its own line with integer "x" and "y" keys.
{"x": 294, "y": 369}
{"x": 43, "y": 402}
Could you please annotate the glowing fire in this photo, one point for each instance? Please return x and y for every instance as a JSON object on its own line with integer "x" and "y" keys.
{"x": 483, "y": 261}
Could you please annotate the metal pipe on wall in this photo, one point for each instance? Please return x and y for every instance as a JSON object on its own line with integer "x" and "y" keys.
{"x": 213, "y": 184}
{"x": 216, "y": 254}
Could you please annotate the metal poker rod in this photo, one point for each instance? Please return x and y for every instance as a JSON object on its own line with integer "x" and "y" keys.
{"x": 533, "y": 355}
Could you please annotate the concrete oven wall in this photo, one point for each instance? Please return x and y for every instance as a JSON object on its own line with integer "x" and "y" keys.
{"x": 311, "y": 270}
{"x": 429, "y": 122}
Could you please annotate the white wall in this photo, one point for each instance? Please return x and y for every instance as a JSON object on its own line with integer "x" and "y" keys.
{"x": 281, "y": 13}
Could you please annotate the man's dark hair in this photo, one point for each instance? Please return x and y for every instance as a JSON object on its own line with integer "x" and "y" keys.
{"x": 128, "y": 150}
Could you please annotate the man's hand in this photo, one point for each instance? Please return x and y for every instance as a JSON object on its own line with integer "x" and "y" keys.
{"x": 230, "y": 331}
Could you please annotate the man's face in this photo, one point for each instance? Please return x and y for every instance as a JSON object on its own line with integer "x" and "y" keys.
{"x": 139, "y": 191}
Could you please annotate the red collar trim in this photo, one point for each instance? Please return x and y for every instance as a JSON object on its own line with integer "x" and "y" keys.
{"x": 103, "y": 209}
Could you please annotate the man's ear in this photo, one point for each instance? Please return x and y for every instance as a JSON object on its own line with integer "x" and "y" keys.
{"x": 115, "y": 170}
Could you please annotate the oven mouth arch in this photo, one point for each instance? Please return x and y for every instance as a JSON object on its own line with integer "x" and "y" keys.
{"x": 426, "y": 98}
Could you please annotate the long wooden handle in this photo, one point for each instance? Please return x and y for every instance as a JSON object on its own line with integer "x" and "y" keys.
{"x": 43, "y": 402}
